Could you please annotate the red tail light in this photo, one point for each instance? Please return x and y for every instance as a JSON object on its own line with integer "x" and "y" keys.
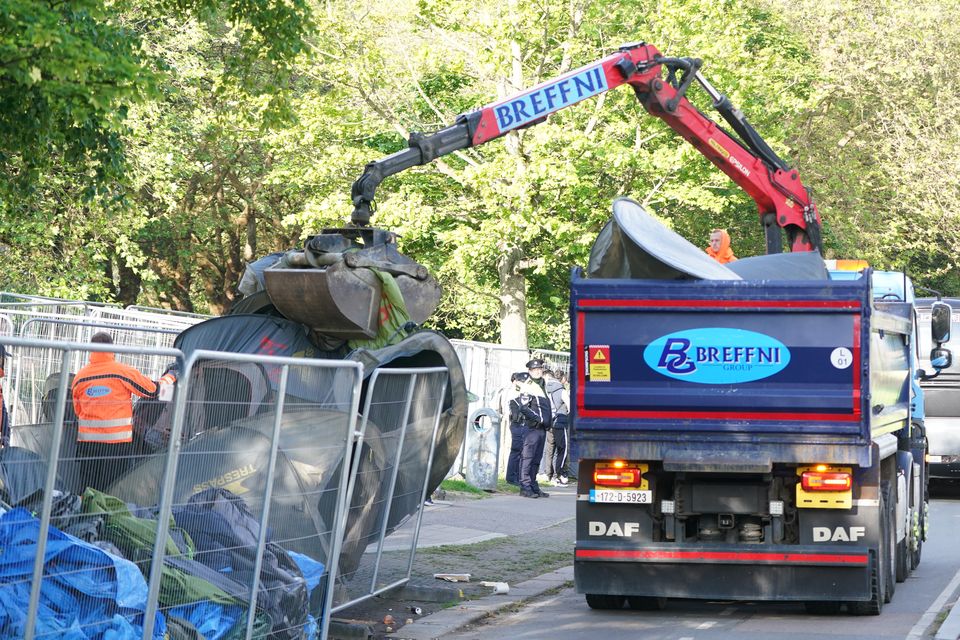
{"x": 826, "y": 481}
{"x": 617, "y": 474}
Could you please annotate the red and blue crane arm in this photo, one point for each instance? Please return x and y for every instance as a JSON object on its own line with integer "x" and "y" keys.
{"x": 782, "y": 200}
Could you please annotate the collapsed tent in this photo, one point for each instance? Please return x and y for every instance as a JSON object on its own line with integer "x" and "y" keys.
{"x": 86, "y": 592}
{"x": 235, "y": 455}
{"x": 634, "y": 244}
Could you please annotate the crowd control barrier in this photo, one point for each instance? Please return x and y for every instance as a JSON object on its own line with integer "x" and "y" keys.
{"x": 224, "y": 515}
{"x": 388, "y": 482}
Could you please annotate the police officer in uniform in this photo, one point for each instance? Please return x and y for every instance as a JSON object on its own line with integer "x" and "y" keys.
{"x": 518, "y": 428}
{"x": 533, "y": 405}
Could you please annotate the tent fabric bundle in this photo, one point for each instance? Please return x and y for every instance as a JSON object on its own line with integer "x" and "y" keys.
{"x": 86, "y": 592}
{"x": 226, "y": 536}
{"x": 90, "y": 593}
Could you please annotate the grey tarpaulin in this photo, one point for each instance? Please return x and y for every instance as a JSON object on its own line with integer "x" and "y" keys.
{"x": 800, "y": 265}
{"x": 634, "y": 244}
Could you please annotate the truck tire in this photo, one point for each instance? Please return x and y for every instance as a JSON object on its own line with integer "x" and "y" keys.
{"x": 603, "y": 601}
{"x": 887, "y": 491}
{"x": 903, "y": 561}
{"x": 879, "y": 567}
{"x": 921, "y": 521}
{"x": 646, "y": 603}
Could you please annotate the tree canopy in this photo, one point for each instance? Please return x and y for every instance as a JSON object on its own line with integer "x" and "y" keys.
{"x": 149, "y": 151}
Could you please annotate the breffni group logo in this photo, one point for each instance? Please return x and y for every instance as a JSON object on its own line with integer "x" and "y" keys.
{"x": 717, "y": 355}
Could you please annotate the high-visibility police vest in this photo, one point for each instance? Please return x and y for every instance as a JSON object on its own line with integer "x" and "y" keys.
{"x": 102, "y": 398}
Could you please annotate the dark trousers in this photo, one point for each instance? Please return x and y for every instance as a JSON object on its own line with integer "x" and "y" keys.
{"x": 556, "y": 450}
{"x": 530, "y": 459}
{"x": 517, "y": 432}
{"x": 100, "y": 464}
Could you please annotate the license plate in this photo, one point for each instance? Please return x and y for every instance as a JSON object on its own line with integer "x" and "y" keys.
{"x": 618, "y": 496}
{"x": 934, "y": 459}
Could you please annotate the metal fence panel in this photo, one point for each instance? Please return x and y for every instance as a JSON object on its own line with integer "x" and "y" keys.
{"x": 239, "y": 498}
{"x": 487, "y": 368}
{"x": 34, "y": 369}
{"x": 389, "y": 482}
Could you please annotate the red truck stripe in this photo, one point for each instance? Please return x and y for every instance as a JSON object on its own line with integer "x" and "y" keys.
{"x": 716, "y": 415}
{"x": 723, "y": 556}
{"x": 765, "y": 304}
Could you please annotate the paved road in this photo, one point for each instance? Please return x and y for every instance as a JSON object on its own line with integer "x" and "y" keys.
{"x": 910, "y": 614}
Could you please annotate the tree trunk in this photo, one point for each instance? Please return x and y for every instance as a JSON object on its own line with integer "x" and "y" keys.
{"x": 126, "y": 281}
{"x": 513, "y": 298}
{"x": 513, "y": 284}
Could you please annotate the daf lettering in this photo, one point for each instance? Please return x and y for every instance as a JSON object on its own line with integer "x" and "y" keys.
{"x": 618, "y": 529}
{"x": 840, "y": 534}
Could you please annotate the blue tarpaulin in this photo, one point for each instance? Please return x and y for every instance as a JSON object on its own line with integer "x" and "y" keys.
{"x": 86, "y": 592}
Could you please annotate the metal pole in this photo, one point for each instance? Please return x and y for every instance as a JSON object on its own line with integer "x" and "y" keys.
{"x": 393, "y": 480}
{"x": 339, "y": 524}
{"x": 66, "y": 363}
{"x": 267, "y": 496}
{"x": 166, "y": 497}
{"x": 426, "y": 477}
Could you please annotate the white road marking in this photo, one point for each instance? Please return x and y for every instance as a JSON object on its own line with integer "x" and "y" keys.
{"x": 927, "y": 619}
{"x": 707, "y": 624}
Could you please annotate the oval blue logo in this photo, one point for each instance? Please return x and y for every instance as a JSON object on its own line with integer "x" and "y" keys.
{"x": 97, "y": 392}
{"x": 716, "y": 355}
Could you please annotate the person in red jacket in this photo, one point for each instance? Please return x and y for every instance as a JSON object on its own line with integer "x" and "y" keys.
{"x": 719, "y": 248}
{"x": 103, "y": 401}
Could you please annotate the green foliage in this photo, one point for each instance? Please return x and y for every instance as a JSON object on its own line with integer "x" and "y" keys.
{"x": 148, "y": 152}
{"x": 67, "y": 74}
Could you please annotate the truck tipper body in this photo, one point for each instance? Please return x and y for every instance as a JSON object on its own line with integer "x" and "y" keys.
{"x": 744, "y": 440}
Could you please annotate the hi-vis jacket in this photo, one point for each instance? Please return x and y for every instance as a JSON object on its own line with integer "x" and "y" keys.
{"x": 102, "y": 398}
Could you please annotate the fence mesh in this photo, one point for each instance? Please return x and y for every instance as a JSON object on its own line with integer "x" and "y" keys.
{"x": 389, "y": 481}
{"x": 219, "y": 517}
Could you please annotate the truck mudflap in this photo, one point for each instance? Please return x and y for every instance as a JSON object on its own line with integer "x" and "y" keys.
{"x": 777, "y": 572}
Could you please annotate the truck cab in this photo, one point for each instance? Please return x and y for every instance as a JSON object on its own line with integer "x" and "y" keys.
{"x": 941, "y": 399}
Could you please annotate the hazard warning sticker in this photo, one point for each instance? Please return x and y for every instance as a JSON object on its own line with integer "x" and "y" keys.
{"x": 598, "y": 359}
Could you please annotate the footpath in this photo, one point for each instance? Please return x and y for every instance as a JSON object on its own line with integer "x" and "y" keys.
{"x": 522, "y": 542}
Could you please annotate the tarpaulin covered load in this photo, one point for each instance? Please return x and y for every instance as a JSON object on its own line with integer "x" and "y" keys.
{"x": 234, "y": 452}
{"x": 634, "y": 244}
{"x": 86, "y": 592}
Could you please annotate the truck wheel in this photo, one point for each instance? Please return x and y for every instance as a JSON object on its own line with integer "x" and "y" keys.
{"x": 879, "y": 570}
{"x": 603, "y": 601}
{"x": 903, "y": 561}
{"x": 891, "y": 519}
{"x": 646, "y": 603}
{"x": 874, "y": 605}
{"x": 920, "y": 522}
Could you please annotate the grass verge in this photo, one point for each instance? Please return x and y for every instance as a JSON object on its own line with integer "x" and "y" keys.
{"x": 462, "y": 486}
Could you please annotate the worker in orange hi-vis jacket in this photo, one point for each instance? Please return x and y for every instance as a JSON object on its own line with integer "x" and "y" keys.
{"x": 103, "y": 401}
{"x": 719, "y": 248}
